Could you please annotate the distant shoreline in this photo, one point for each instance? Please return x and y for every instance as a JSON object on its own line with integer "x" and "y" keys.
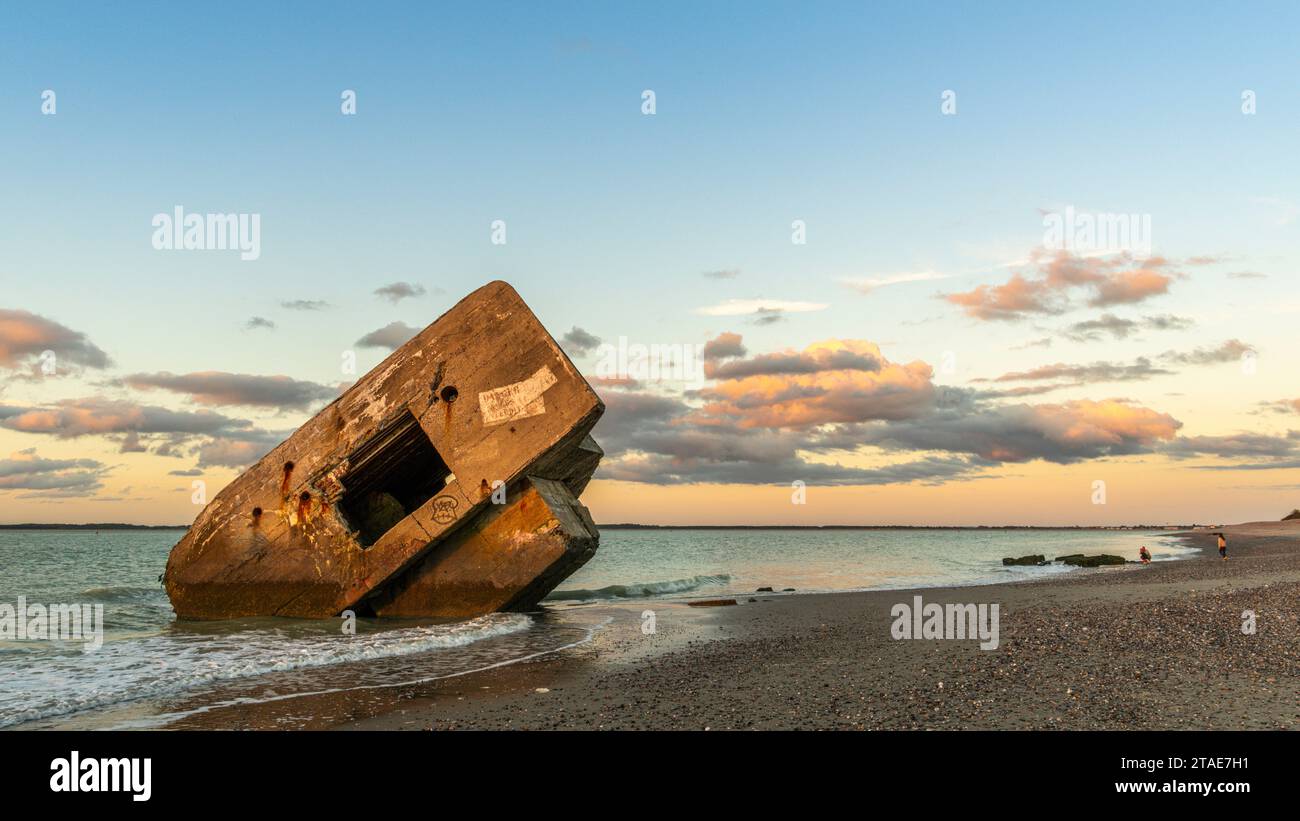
{"x": 631, "y": 526}
{"x": 628, "y": 526}
{"x": 102, "y": 526}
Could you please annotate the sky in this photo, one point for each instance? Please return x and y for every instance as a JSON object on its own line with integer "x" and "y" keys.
{"x": 844, "y": 210}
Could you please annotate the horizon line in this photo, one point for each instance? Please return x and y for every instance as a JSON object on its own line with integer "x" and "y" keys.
{"x": 639, "y": 526}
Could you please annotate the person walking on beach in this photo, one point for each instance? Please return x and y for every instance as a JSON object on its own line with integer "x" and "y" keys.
{"x": 1223, "y": 547}
{"x": 1144, "y": 554}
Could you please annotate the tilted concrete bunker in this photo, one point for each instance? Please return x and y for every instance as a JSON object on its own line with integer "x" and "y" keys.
{"x": 383, "y": 503}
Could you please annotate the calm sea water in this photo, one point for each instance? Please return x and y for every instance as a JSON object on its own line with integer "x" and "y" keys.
{"x": 152, "y": 669}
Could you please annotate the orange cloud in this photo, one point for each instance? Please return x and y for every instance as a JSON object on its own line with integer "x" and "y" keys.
{"x": 1115, "y": 280}
{"x": 1131, "y": 286}
{"x": 1062, "y": 433}
{"x": 93, "y": 416}
{"x": 1011, "y": 300}
{"x": 829, "y": 382}
{"x": 221, "y": 388}
{"x": 1108, "y": 422}
{"x": 25, "y": 336}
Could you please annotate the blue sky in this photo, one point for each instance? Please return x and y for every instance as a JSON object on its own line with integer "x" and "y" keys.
{"x": 531, "y": 113}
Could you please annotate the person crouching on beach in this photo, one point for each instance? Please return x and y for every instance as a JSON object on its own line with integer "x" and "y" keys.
{"x": 1144, "y": 554}
{"x": 1223, "y": 547}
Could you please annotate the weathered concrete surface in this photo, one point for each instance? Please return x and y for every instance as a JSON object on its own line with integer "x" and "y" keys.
{"x": 544, "y": 534}
{"x": 484, "y": 390}
{"x": 572, "y": 466}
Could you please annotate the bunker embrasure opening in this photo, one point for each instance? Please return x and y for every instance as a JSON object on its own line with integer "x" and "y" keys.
{"x": 389, "y": 476}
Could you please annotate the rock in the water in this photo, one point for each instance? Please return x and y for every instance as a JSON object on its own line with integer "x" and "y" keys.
{"x": 712, "y": 603}
{"x": 763, "y": 590}
{"x": 1092, "y": 561}
{"x": 1035, "y": 559}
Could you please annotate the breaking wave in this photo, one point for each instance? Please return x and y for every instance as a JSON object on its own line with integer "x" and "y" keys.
{"x": 123, "y": 593}
{"x": 167, "y": 664}
{"x": 640, "y": 591}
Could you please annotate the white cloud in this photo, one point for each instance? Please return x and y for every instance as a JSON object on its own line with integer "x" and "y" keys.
{"x": 746, "y": 307}
{"x": 868, "y": 284}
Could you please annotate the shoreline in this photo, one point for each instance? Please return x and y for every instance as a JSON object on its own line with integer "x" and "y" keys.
{"x": 1127, "y": 647}
{"x": 346, "y": 680}
{"x": 1163, "y": 529}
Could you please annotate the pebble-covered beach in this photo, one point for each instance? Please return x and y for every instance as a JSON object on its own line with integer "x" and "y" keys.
{"x": 1164, "y": 646}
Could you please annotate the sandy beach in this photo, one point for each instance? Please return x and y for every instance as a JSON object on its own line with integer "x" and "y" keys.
{"x": 1130, "y": 647}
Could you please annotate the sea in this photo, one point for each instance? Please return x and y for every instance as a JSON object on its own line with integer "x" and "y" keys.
{"x": 154, "y": 671}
